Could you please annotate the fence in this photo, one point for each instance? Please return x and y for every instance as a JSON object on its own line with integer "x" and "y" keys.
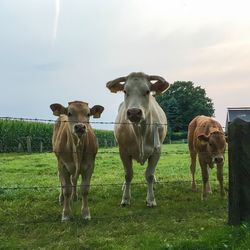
{"x": 239, "y": 171}
{"x": 239, "y": 158}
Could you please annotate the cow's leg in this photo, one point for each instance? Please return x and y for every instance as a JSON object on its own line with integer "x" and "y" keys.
{"x": 128, "y": 169}
{"x": 220, "y": 179}
{"x": 193, "y": 155}
{"x": 205, "y": 179}
{"x": 86, "y": 177}
{"x": 152, "y": 162}
{"x": 61, "y": 197}
{"x": 74, "y": 188}
{"x": 67, "y": 191}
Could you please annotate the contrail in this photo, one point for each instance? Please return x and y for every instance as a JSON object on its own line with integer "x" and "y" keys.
{"x": 56, "y": 19}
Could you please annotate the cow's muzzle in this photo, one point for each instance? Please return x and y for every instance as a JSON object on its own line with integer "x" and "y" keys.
{"x": 219, "y": 159}
{"x": 134, "y": 114}
{"x": 80, "y": 129}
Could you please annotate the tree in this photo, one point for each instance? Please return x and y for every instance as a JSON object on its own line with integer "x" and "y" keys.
{"x": 182, "y": 102}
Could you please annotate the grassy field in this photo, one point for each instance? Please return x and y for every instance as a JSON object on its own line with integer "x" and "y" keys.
{"x": 30, "y": 217}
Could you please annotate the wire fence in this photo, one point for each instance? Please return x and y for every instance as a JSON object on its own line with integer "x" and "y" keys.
{"x": 56, "y": 219}
{"x": 90, "y": 122}
{"x": 35, "y": 134}
{"x": 40, "y": 143}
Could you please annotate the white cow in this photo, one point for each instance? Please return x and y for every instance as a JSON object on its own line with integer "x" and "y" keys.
{"x": 140, "y": 127}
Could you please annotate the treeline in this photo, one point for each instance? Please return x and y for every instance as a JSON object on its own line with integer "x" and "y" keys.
{"x": 182, "y": 102}
{"x": 26, "y": 136}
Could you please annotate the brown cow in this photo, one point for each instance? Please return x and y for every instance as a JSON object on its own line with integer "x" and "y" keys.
{"x": 206, "y": 138}
{"x": 140, "y": 127}
{"x": 75, "y": 146}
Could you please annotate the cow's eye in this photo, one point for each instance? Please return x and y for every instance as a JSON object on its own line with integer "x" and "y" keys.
{"x": 147, "y": 93}
{"x": 88, "y": 114}
{"x": 69, "y": 114}
{"x": 125, "y": 92}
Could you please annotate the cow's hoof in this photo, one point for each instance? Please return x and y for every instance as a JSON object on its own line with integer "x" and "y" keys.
{"x": 86, "y": 217}
{"x": 204, "y": 198}
{"x": 65, "y": 218}
{"x": 125, "y": 203}
{"x": 86, "y": 213}
{"x": 151, "y": 203}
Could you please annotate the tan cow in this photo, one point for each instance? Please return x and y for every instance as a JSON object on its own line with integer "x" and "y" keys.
{"x": 140, "y": 127}
{"x": 206, "y": 138}
{"x": 75, "y": 146}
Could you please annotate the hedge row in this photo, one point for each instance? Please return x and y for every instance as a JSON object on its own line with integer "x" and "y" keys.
{"x": 18, "y": 136}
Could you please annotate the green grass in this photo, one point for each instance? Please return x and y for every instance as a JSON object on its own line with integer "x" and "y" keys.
{"x": 30, "y": 218}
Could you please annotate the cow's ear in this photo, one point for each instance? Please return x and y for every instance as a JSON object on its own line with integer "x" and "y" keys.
{"x": 58, "y": 109}
{"x": 159, "y": 87}
{"x": 203, "y": 138}
{"x": 96, "y": 111}
{"x": 116, "y": 85}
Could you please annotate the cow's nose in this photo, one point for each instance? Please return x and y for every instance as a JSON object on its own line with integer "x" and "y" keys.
{"x": 218, "y": 159}
{"x": 80, "y": 128}
{"x": 134, "y": 114}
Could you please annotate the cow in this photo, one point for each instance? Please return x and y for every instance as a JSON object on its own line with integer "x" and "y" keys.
{"x": 75, "y": 147}
{"x": 140, "y": 127}
{"x": 206, "y": 138}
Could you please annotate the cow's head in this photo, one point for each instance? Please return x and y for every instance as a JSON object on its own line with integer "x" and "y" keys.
{"x": 137, "y": 88}
{"x": 216, "y": 145}
{"x": 78, "y": 114}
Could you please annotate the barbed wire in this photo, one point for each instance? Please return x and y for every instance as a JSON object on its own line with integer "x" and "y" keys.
{"x": 114, "y": 152}
{"x": 90, "y": 122}
{"x": 54, "y": 187}
{"x": 79, "y": 221}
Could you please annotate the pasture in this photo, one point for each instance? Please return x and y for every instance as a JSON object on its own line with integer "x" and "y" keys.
{"x": 30, "y": 213}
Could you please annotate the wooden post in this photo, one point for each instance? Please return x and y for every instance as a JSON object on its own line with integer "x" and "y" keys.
{"x": 41, "y": 147}
{"x": 239, "y": 171}
{"x": 19, "y": 147}
{"x": 28, "y": 141}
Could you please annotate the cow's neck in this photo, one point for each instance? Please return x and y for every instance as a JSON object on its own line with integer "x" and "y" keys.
{"x": 141, "y": 131}
{"x": 78, "y": 149}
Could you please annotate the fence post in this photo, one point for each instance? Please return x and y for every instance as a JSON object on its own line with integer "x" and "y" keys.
{"x": 19, "y": 147}
{"x": 28, "y": 141}
{"x": 239, "y": 171}
{"x": 41, "y": 147}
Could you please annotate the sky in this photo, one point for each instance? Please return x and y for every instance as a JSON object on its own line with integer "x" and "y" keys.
{"x": 64, "y": 50}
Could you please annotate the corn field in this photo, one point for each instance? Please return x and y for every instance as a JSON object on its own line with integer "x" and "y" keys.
{"x": 31, "y": 136}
